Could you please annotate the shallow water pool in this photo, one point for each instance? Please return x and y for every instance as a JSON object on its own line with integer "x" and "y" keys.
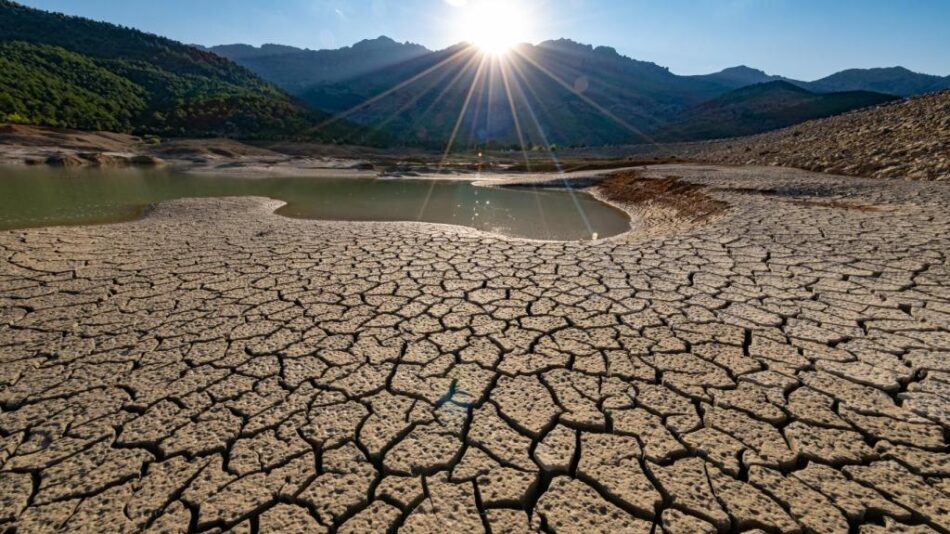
{"x": 45, "y": 196}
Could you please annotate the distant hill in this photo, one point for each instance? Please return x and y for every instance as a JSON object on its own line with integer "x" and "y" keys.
{"x": 72, "y": 72}
{"x": 893, "y": 81}
{"x": 295, "y": 69}
{"x": 736, "y": 77}
{"x": 762, "y": 107}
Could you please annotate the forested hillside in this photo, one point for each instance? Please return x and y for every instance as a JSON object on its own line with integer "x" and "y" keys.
{"x": 71, "y": 72}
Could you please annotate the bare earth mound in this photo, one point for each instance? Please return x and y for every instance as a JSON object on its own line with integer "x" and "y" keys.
{"x": 909, "y": 139}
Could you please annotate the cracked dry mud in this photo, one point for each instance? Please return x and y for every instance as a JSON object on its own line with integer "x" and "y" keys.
{"x": 782, "y": 367}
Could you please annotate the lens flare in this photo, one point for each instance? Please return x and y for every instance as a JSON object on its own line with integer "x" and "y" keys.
{"x": 493, "y": 26}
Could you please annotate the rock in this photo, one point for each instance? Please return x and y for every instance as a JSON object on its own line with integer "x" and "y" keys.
{"x": 142, "y": 160}
{"x": 64, "y": 159}
{"x": 102, "y": 159}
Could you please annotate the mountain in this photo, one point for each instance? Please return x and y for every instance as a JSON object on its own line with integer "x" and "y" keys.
{"x": 566, "y": 93}
{"x": 557, "y": 92}
{"x": 893, "y": 81}
{"x": 64, "y": 71}
{"x": 736, "y": 77}
{"x": 295, "y": 69}
{"x": 762, "y": 107}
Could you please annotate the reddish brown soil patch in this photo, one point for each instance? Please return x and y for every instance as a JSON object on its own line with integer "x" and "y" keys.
{"x": 688, "y": 200}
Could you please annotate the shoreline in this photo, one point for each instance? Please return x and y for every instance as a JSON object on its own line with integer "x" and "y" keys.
{"x": 258, "y": 172}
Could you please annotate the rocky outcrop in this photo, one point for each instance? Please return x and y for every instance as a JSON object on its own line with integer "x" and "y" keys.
{"x": 909, "y": 139}
{"x": 101, "y": 159}
{"x": 146, "y": 161}
{"x": 64, "y": 159}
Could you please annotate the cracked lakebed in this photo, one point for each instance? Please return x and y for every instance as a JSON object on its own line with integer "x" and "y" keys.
{"x": 781, "y": 365}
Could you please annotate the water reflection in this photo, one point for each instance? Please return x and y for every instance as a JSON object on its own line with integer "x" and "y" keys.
{"x": 42, "y": 196}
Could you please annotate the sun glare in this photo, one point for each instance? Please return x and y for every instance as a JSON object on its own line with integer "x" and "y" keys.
{"x": 494, "y": 26}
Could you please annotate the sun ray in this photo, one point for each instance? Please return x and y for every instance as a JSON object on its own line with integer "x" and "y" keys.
{"x": 636, "y": 131}
{"x": 415, "y": 99}
{"x": 557, "y": 163}
{"x": 514, "y": 113}
{"x": 343, "y": 114}
{"x": 458, "y": 123}
{"x": 458, "y": 76}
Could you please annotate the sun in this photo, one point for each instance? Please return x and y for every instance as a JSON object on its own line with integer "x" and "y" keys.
{"x": 494, "y": 26}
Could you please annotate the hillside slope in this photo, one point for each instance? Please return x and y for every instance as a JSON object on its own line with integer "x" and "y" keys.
{"x": 906, "y": 139}
{"x": 762, "y": 107}
{"x": 71, "y": 72}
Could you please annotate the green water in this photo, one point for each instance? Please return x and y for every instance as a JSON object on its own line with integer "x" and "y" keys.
{"x": 44, "y": 196}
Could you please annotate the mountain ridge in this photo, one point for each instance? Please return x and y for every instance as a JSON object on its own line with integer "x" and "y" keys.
{"x": 899, "y": 81}
{"x": 566, "y": 93}
{"x": 577, "y": 93}
{"x": 295, "y": 69}
{"x": 732, "y": 77}
{"x": 761, "y": 107}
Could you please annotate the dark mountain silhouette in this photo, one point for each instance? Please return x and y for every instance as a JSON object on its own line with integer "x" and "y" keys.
{"x": 561, "y": 92}
{"x": 893, "y": 81}
{"x": 295, "y": 69}
{"x": 762, "y": 107}
{"x": 565, "y": 93}
{"x": 736, "y": 77}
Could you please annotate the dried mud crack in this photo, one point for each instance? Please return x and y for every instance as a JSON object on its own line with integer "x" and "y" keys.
{"x": 780, "y": 363}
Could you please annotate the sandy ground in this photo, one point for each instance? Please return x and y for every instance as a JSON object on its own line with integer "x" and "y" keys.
{"x": 782, "y": 365}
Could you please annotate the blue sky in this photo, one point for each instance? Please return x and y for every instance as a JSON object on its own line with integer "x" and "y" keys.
{"x": 804, "y": 39}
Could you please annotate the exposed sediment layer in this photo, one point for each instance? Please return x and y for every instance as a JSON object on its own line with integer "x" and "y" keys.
{"x": 782, "y": 365}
